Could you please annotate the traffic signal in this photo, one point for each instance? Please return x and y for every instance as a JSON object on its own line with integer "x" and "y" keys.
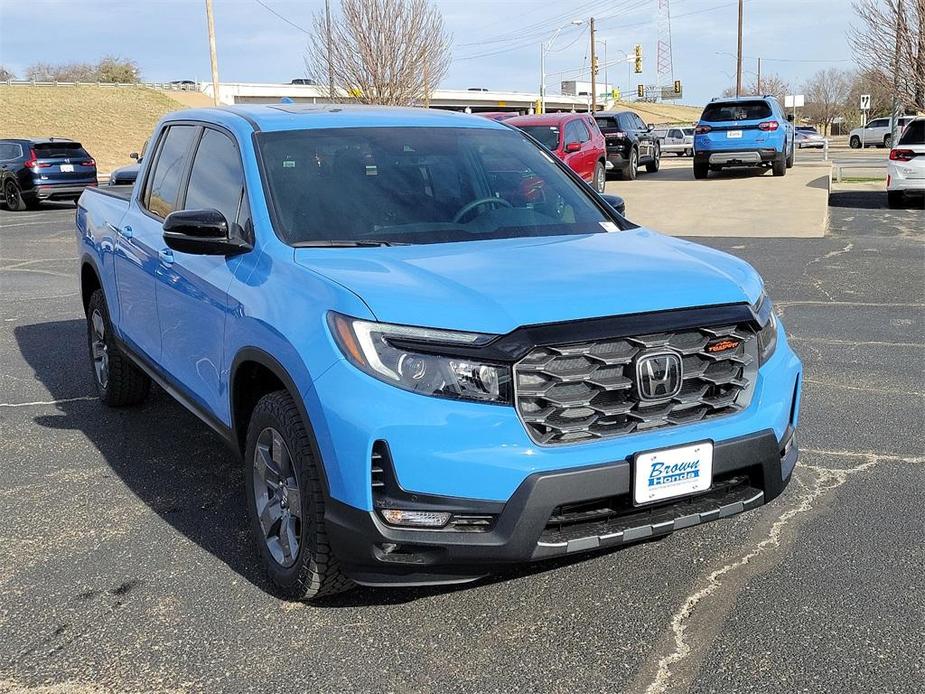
{"x": 677, "y": 86}
{"x": 638, "y": 54}
{"x": 640, "y": 90}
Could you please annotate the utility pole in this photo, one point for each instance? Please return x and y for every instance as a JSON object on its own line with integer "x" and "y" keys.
{"x": 210, "y": 20}
{"x": 739, "y": 55}
{"x": 593, "y": 71}
{"x": 900, "y": 30}
{"x": 327, "y": 30}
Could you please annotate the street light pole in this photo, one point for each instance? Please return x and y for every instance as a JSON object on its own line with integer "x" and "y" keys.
{"x": 593, "y": 70}
{"x": 213, "y": 57}
{"x": 545, "y": 46}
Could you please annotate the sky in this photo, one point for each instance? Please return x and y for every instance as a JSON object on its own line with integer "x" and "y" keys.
{"x": 496, "y": 43}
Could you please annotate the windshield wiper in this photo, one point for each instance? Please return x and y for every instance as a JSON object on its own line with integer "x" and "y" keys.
{"x": 336, "y": 243}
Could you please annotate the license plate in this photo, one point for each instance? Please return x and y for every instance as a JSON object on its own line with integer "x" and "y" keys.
{"x": 733, "y": 134}
{"x": 67, "y": 168}
{"x": 672, "y": 472}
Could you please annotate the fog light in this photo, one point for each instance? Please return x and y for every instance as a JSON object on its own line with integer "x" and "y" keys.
{"x": 415, "y": 519}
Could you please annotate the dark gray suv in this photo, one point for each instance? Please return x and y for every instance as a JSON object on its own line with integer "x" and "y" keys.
{"x": 35, "y": 170}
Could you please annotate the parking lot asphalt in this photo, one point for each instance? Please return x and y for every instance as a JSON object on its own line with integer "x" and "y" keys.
{"x": 126, "y": 564}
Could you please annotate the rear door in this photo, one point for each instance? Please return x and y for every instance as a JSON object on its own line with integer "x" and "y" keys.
{"x": 62, "y": 163}
{"x": 139, "y": 238}
{"x": 873, "y": 132}
{"x": 734, "y": 125}
{"x": 192, "y": 289}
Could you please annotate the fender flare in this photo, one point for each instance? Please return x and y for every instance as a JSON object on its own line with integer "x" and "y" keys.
{"x": 267, "y": 360}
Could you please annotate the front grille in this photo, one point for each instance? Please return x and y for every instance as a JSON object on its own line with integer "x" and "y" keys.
{"x": 586, "y": 391}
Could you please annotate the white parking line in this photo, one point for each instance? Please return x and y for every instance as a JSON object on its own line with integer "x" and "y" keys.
{"x": 47, "y": 402}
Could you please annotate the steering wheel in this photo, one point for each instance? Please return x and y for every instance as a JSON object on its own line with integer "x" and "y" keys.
{"x": 468, "y": 207}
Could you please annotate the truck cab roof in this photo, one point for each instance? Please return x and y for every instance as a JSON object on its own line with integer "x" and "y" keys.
{"x": 281, "y": 117}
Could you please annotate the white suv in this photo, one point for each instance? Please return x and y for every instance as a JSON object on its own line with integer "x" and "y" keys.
{"x": 876, "y": 133}
{"x": 906, "y": 168}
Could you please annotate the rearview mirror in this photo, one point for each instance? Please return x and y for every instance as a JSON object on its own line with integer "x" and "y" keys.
{"x": 204, "y": 232}
{"x": 617, "y": 203}
{"x": 133, "y": 155}
{"x": 572, "y": 147}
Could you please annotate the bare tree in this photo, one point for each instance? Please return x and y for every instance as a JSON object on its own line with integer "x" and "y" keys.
{"x": 880, "y": 26}
{"x": 391, "y": 52}
{"x": 771, "y": 84}
{"x": 827, "y": 95}
{"x": 109, "y": 69}
{"x": 6, "y": 74}
{"x": 872, "y": 83}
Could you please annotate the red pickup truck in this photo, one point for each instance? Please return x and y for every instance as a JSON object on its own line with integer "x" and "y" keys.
{"x": 574, "y": 138}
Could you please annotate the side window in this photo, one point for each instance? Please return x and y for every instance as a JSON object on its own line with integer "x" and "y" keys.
{"x": 639, "y": 122}
{"x": 10, "y": 151}
{"x": 217, "y": 178}
{"x": 675, "y": 134}
{"x": 165, "y": 180}
{"x": 879, "y": 123}
{"x": 583, "y": 133}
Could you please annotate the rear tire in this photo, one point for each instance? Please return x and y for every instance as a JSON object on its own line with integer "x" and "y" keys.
{"x": 629, "y": 171}
{"x": 779, "y": 167}
{"x": 895, "y": 199}
{"x": 653, "y": 166}
{"x": 13, "y": 197}
{"x": 887, "y": 141}
{"x": 118, "y": 381}
{"x": 701, "y": 170}
{"x": 292, "y": 539}
{"x": 854, "y": 142}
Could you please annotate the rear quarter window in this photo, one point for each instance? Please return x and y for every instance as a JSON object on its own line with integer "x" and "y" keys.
{"x": 737, "y": 110}
{"x": 10, "y": 151}
{"x": 607, "y": 122}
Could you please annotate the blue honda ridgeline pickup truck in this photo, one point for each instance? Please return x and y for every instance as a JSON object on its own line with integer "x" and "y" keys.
{"x": 437, "y": 349}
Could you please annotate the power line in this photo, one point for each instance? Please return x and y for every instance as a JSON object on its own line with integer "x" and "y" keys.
{"x": 285, "y": 19}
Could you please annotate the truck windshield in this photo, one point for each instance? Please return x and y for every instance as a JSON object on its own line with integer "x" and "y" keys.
{"x": 419, "y": 185}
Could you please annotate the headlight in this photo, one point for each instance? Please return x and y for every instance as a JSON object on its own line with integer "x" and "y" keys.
{"x": 377, "y": 349}
{"x": 767, "y": 339}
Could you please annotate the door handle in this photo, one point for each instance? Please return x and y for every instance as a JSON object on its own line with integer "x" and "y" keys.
{"x": 127, "y": 232}
{"x": 166, "y": 256}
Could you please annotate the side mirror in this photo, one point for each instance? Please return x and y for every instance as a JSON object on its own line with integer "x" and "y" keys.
{"x": 572, "y": 147}
{"x": 650, "y": 128}
{"x": 790, "y": 117}
{"x": 204, "y": 232}
{"x": 617, "y": 203}
{"x": 133, "y": 155}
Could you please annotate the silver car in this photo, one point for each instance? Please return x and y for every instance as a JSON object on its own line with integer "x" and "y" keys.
{"x": 679, "y": 140}
{"x": 876, "y": 133}
{"x": 807, "y": 136}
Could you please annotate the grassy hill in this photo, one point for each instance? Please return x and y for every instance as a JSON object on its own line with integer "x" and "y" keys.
{"x": 662, "y": 113}
{"x": 110, "y": 122}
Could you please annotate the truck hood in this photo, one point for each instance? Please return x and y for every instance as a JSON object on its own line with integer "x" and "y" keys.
{"x": 495, "y": 286}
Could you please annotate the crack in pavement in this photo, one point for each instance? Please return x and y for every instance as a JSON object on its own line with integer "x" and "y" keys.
{"x": 817, "y": 282}
{"x": 865, "y": 389}
{"x": 827, "y": 479}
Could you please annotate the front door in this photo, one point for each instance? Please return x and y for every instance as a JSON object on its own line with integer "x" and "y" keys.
{"x": 192, "y": 290}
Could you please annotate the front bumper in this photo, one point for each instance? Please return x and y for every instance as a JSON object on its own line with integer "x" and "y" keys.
{"x": 748, "y": 471}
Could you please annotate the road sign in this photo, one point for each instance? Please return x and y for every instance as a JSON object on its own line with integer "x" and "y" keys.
{"x": 794, "y": 101}
{"x": 865, "y": 102}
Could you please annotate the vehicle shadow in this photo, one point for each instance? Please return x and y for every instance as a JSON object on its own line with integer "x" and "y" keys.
{"x": 178, "y": 467}
{"x": 859, "y": 199}
{"x": 679, "y": 172}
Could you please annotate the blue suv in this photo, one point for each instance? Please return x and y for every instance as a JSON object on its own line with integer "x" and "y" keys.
{"x": 743, "y": 131}
{"x": 435, "y": 347}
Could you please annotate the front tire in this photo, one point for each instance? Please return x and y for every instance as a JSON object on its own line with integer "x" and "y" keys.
{"x": 285, "y": 502}
{"x": 13, "y": 196}
{"x": 790, "y": 158}
{"x": 600, "y": 177}
{"x": 854, "y": 142}
{"x": 654, "y": 165}
{"x": 119, "y": 382}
